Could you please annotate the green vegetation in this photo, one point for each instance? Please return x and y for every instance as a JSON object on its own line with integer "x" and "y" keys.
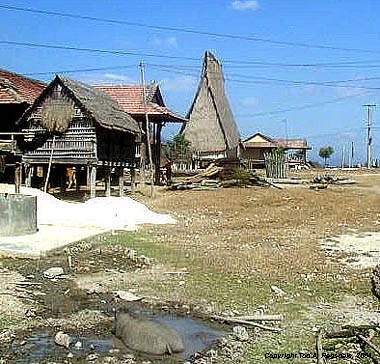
{"x": 326, "y": 153}
{"x": 223, "y": 290}
{"x": 178, "y": 149}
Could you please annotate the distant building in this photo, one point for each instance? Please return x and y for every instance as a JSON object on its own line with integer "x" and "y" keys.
{"x": 258, "y": 144}
{"x": 211, "y": 128}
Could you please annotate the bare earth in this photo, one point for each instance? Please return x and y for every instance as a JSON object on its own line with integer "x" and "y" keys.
{"x": 231, "y": 245}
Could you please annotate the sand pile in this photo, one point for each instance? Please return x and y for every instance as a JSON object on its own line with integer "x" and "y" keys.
{"x": 122, "y": 213}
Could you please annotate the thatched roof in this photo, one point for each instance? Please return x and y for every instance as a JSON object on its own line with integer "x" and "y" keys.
{"x": 211, "y": 126}
{"x": 97, "y": 105}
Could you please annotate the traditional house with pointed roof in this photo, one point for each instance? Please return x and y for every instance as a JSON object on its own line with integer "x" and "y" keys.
{"x": 73, "y": 124}
{"x": 131, "y": 99}
{"x": 211, "y": 129}
{"x": 258, "y": 144}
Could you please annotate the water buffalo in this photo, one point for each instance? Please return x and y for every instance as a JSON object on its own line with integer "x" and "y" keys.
{"x": 146, "y": 335}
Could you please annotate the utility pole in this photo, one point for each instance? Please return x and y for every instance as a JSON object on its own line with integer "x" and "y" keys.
{"x": 343, "y": 156}
{"x": 147, "y": 129}
{"x": 351, "y": 156}
{"x": 370, "y": 109}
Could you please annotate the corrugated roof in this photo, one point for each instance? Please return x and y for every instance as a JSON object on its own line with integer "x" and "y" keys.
{"x": 15, "y": 88}
{"x": 130, "y": 99}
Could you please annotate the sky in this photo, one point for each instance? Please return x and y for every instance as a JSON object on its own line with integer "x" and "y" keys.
{"x": 324, "y": 115}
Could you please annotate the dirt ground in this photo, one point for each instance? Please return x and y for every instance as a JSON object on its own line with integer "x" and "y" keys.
{"x": 224, "y": 255}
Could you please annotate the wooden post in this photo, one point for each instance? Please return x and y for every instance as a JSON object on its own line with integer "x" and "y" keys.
{"x": 108, "y": 181}
{"x": 88, "y": 177}
{"x": 157, "y": 156}
{"x": 147, "y": 128}
{"x": 62, "y": 179}
{"x": 29, "y": 174}
{"x": 93, "y": 182}
{"x": 18, "y": 177}
{"x": 78, "y": 175}
{"x": 121, "y": 182}
{"x": 318, "y": 346}
{"x": 133, "y": 179}
{"x": 49, "y": 167}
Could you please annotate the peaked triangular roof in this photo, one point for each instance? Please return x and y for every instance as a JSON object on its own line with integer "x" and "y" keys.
{"x": 102, "y": 108}
{"x": 259, "y": 138}
{"x": 211, "y": 125}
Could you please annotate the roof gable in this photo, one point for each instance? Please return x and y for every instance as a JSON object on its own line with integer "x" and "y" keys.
{"x": 99, "y": 106}
{"x": 258, "y": 138}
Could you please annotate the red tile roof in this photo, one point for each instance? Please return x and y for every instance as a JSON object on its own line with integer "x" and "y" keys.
{"x": 130, "y": 99}
{"x": 15, "y": 88}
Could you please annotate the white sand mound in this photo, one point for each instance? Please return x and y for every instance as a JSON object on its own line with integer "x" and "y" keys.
{"x": 121, "y": 213}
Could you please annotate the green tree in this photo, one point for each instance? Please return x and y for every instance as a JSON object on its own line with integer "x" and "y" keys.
{"x": 178, "y": 149}
{"x": 326, "y": 153}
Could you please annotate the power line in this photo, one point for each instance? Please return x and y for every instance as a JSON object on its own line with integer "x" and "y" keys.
{"x": 303, "y": 107}
{"x": 186, "y": 30}
{"x": 79, "y": 70}
{"x": 171, "y": 67}
{"x": 94, "y": 50}
{"x": 151, "y": 55}
{"x": 265, "y": 80}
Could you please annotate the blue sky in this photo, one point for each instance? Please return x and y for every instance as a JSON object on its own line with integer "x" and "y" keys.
{"x": 338, "y": 23}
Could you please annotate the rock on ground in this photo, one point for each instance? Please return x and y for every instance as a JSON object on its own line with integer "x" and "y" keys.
{"x": 62, "y": 339}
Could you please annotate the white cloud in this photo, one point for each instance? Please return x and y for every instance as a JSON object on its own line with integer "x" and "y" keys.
{"x": 166, "y": 42}
{"x": 179, "y": 84}
{"x": 118, "y": 77}
{"x": 108, "y": 79}
{"x": 249, "y": 102}
{"x": 242, "y": 5}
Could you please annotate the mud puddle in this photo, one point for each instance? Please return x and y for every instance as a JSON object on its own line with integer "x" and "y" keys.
{"x": 40, "y": 347}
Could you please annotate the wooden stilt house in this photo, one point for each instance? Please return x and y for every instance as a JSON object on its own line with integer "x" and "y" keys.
{"x": 72, "y": 124}
{"x": 131, "y": 100}
{"x": 211, "y": 128}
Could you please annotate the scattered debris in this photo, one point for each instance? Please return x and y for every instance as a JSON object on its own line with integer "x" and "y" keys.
{"x": 329, "y": 179}
{"x": 54, "y": 272}
{"x": 127, "y": 296}
{"x": 206, "y": 180}
{"x": 62, "y": 339}
{"x": 278, "y": 291}
{"x": 237, "y": 320}
{"x": 241, "y": 333}
{"x": 351, "y": 341}
{"x": 92, "y": 357}
{"x": 375, "y": 280}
